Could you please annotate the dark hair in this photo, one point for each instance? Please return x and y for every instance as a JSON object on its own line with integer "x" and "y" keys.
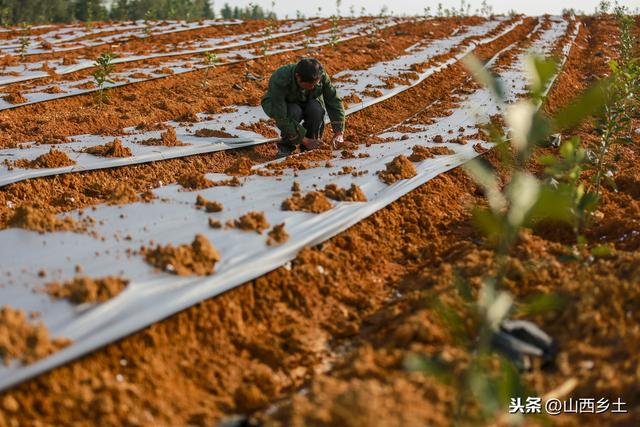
{"x": 309, "y": 70}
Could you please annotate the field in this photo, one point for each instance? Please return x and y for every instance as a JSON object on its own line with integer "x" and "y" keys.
{"x": 159, "y": 265}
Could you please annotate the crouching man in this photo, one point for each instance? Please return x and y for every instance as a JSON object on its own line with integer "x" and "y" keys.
{"x": 300, "y": 93}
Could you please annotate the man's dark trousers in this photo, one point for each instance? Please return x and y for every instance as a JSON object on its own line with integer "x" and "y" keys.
{"x": 312, "y": 113}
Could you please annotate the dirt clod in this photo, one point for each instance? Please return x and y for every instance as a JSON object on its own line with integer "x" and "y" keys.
{"x": 277, "y": 235}
{"x": 241, "y": 167}
{"x": 195, "y": 181}
{"x": 212, "y": 133}
{"x": 53, "y": 159}
{"x": 399, "y": 168}
{"x": 111, "y": 149}
{"x": 314, "y": 202}
{"x": 252, "y": 221}
{"x": 31, "y": 218}
{"x": 353, "y": 194}
{"x": 208, "y": 205}
{"x": 24, "y": 341}
{"x": 85, "y": 289}
{"x": 421, "y": 153}
{"x": 198, "y": 258}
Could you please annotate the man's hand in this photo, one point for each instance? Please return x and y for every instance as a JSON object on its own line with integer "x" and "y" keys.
{"x": 337, "y": 140}
{"x": 310, "y": 144}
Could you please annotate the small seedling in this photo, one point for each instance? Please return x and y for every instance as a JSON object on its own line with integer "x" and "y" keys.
{"x": 335, "y": 31}
{"x": 210, "y": 60}
{"x": 24, "y": 46}
{"x": 24, "y": 41}
{"x": 103, "y": 73}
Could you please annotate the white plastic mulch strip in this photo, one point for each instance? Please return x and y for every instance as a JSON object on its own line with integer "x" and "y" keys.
{"x": 248, "y": 115}
{"x": 30, "y": 71}
{"x": 172, "y": 218}
{"x": 85, "y": 85}
{"x": 66, "y": 38}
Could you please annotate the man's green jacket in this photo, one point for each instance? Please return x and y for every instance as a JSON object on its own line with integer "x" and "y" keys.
{"x": 283, "y": 89}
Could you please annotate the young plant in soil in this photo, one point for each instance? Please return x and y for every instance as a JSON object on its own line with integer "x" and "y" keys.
{"x": 25, "y": 42}
{"x": 268, "y": 31}
{"x": 614, "y": 124}
{"x": 147, "y": 24}
{"x": 335, "y": 29}
{"x": 513, "y": 202}
{"x": 102, "y": 75}
{"x": 210, "y": 60}
{"x": 24, "y": 45}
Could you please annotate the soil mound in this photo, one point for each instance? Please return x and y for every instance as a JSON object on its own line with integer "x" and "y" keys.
{"x": 262, "y": 127}
{"x": 34, "y": 219}
{"x": 167, "y": 139}
{"x": 353, "y": 194}
{"x": 198, "y": 258}
{"x": 421, "y": 153}
{"x": 252, "y": 221}
{"x": 111, "y": 149}
{"x": 241, "y": 167}
{"x": 53, "y": 159}
{"x": 208, "y": 205}
{"x": 211, "y": 133}
{"x": 195, "y": 181}
{"x": 277, "y": 235}
{"x": 21, "y": 340}
{"x": 314, "y": 202}
{"x": 85, "y": 289}
{"x": 15, "y": 98}
{"x": 399, "y": 168}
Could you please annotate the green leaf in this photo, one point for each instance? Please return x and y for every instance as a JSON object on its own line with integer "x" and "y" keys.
{"x": 487, "y": 222}
{"x": 431, "y": 366}
{"x": 484, "y": 76}
{"x": 583, "y": 106}
{"x": 554, "y": 204}
{"x": 589, "y": 202}
{"x": 541, "y": 72}
{"x": 601, "y": 251}
{"x": 547, "y": 160}
{"x": 542, "y": 303}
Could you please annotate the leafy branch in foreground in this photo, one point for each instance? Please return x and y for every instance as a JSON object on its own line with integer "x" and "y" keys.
{"x": 102, "y": 75}
{"x": 514, "y": 201}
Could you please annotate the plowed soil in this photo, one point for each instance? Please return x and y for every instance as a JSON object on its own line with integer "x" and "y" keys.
{"x": 323, "y": 340}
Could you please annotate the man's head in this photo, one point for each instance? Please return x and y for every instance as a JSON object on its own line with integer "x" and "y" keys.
{"x": 308, "y": 73}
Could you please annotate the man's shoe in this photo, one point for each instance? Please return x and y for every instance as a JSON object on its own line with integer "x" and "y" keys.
{"x": 285, "y": 149}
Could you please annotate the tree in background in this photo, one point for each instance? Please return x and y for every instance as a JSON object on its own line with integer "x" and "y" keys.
{"x": 14, "y": 12}
{"x": 252, "y": 11}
